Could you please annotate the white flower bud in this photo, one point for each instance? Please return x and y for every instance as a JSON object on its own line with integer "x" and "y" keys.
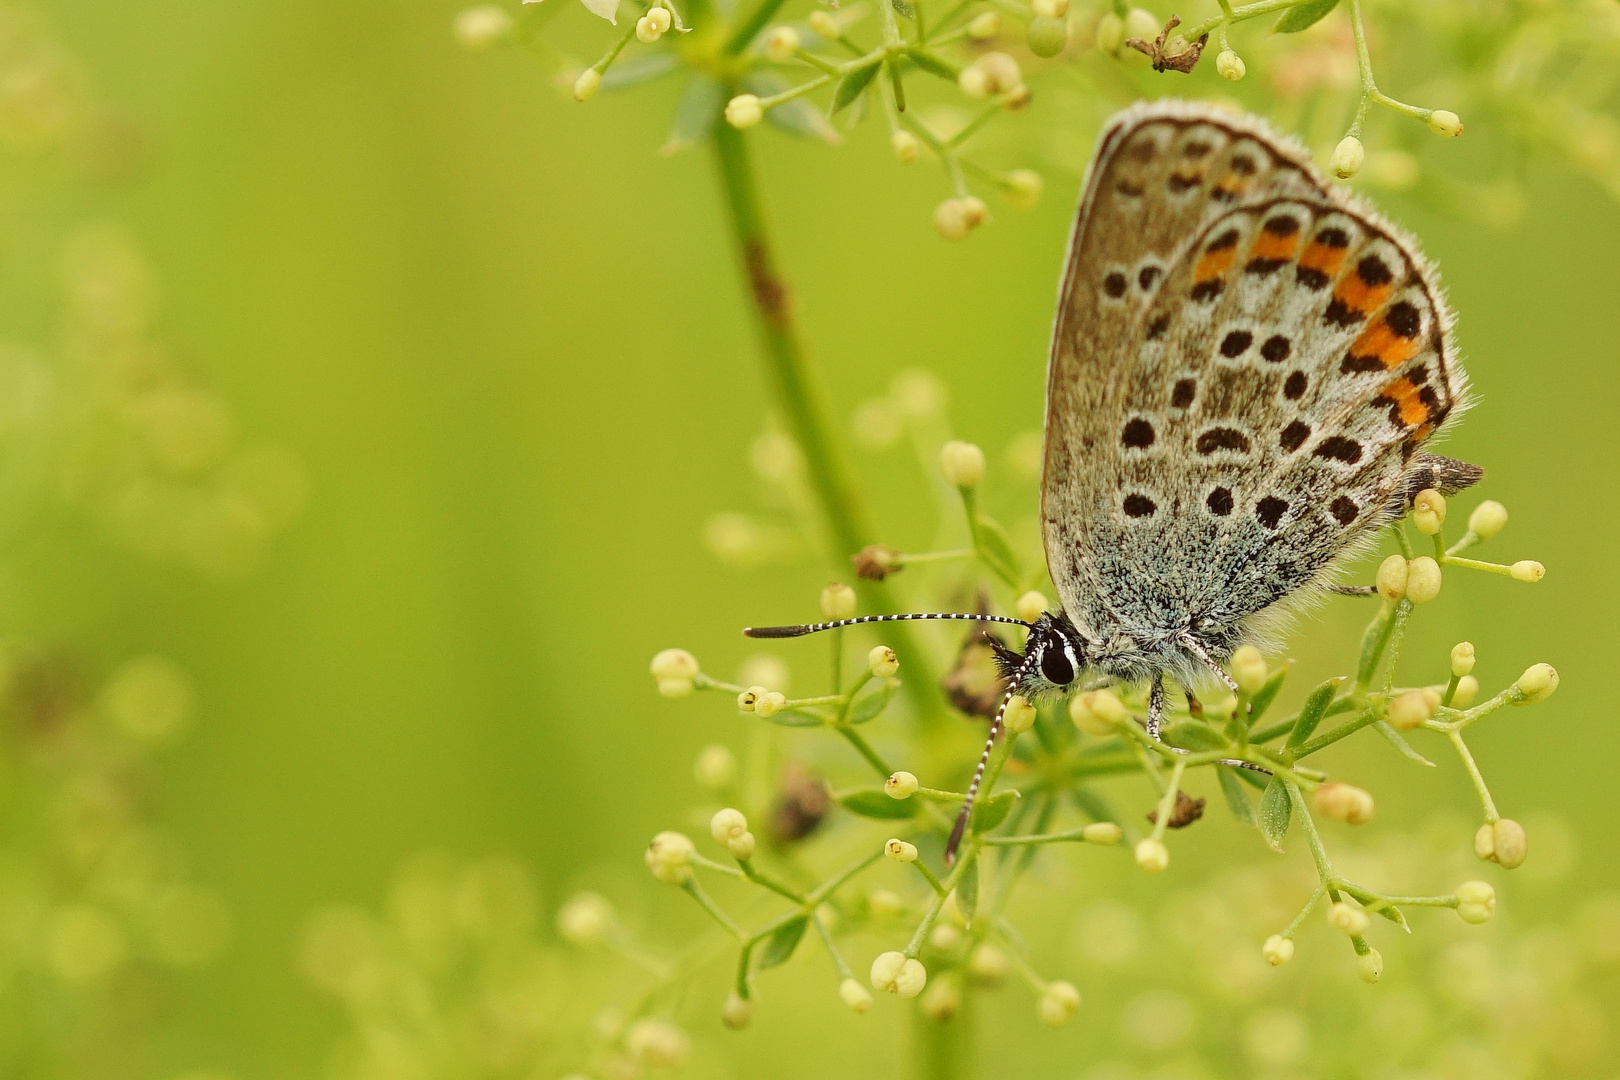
{"x": 674, "y": 669}
{"x": 1098, "y": 712}
{"x": 902, "y": 785}
{"x": 1527, "y": 570}
{"x": 660, "y": 18}
{"x": 1058, "y": 1004}
{"x": 1462, "y": 658}
{"x": 1411, "y": 709}
{"x": 1445, "y": 122}
{"x": 715, "y": 767}
{"x": 657, "y": 1042}
{"x": 1348, "y": 918}
{"x": 985, "y": 26}
{"x": 744, "y": 111}
{"x": 1249, "y": 669}
{"x": 854, "y": 995}
{"x": 1110, "y": 33}
{"x": 781, "y": 43}
{"x": 1488, "y": 519}
{"x": 956, "y": 218}
{"x": 1023, "y": 188}
{"x": 1050, "y": 9}
{"x": 482, "y": 26}
{"x": 1391, "y": 578}
{"x": 1152, "y": 855}
{"x": 1429, "y": 511}
{"x": 1347, "y": 157}
{"x": 1000, "y": 74}
{"x": 1370, "y": 965}
{"x": 973, "y": 82}
{"x": 1343, "y": 802}
{"x": 900, "y": 851}
{"x": 1277, "y": 950}
{"x": 1537, "y": 683}
{"x": 882, "y": 661}
{"x": 737, "y": 1012}
{"x": 667, "y": 857}
{"x": 945, "y": 937}
{"x": 988, "y": 965}
{"x": 1422, "y": 580}
{"x": 586, "y": 84}
{"x": 1141, "y": 23}
{"x": 942, "y": 1001}
{"x": 1031, "y": 605}
{"x": 1102, "y": 833}
{"x": 1230, "y": 65}
{"x": 748, "y": 701}
{"x": 1044, "y": 36}
{"x": 647, "y": 31}
{"x": 825, "y": 26}
{"x": 905, "y": 146}
{"x": 837, "y": 601}
{"x": 584, "y": 919}
{"x": 1019, "y": 716}
{"x": 726, "y": 824}
{"x": 962, "y": 463}
{"x": 741, "y": 847}
{"x": 769, "y": 704}
{"x": 894, "y": 973}
{"x": 884, "y": 904}
{"x": 1503, "y": 842}
{"x": 1476, "y": 902}
{"x": 1467, "y": 690}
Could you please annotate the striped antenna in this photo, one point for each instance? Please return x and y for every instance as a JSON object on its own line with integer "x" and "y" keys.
{"x": 812, "y": 628}
{"x": 966, "y": 813}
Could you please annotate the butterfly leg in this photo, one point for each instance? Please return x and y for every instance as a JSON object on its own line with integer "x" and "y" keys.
{"x": 1353, "y": 590}
{"x": 1155, "y": 717}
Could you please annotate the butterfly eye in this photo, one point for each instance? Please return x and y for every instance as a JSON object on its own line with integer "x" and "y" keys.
{"x": 1056, "y": 667}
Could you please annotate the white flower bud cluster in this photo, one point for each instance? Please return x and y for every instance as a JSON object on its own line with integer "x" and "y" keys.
{"x": 1476, "y": 902}
{"x": 961, "y": 463}
{"x": 1503, "y": 842}
{"x": 653, "y": 25}
{"x": 1349, "y": 918}
{"x": 897, "y": 974}
{"x": 1098, "y": 712}
{"x": 729, "y": 827}
{"x": 674, "y": 670}
{"x": 1429, "y": 511}
{"x": 761, "y": 702}
{"x": 1277, "y": 950}
{"x": 1230, "y": 65}
{"x": 837, "y": 602}
{"x": 1019, "y": 715}
{"x": 882, "y": 661}
{"x": 1400, "y": 578}
{"x": 1058, "y": 1003}
{"x": 1152, "y": 855}
{"x": 899, "y": 850}
{"x": 956, "y": 218}
{"x": 1412, "y": 709}
{"x": 668, "y": 857}
{"x": 1343, "y": 802}
{"x": 992, "y": 74}
{"x": 902, "y": 785}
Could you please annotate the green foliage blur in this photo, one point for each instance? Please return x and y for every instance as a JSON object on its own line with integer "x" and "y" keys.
{"x": 365, "y": 404}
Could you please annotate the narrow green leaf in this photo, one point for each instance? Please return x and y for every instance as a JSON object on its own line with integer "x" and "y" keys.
{"x": 1398, "y": 741}
{"x": 1303, "y": 16}
{"x": 967, "y": 890}
{"x": 872, "y": 702}
{"x": 701, "y": 103}
{"x": 796, "y": 117}
{"x": 934, "y": 64}
{"x": 993, "y": 811}
{"x": 1236, "y": 797}
{"x": 1268, "y": 693}
{"x": 1192, "y": 735}
{"x": 640, "y": 69}
{"x": 780, "y": 945}
{"x": 995, "y": 546}
{"x": 850, "y": 86}
{"x": 1275, "y": 813}
{"x": 874, "y": 803}
{"x": 1311, "y": 713}
{"x": 793, "y": 718}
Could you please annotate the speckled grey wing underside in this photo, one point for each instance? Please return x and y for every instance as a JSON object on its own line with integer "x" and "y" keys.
{"x": 1244, "y": 363}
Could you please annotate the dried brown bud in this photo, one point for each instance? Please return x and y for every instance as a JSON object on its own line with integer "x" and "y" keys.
{"x": 1186, "y": 811}
{"x": 974, "y": 683}
{"x": 1182, "y": 56}
{"x": 875, "y": 562}
{"x": 801, "y": 804}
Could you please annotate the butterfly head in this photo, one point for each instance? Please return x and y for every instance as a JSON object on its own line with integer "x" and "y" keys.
{"x": 1053, "y": 657}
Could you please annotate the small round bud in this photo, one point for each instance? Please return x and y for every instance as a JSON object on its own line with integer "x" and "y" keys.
{"x": 1001, "y": 72}
{"x": 902, "y": 785}
{"x": 1098, "y": 712}
{"x": 1429, "y": 511}
{"x": 647, "y": 31}
{"x": 1058, "y": 1003}
{"x": 882, "y": 661}
{"x": 1347, "y": 157}
{"x": 1343, "y": 802}
{"x": 962, "y": 463}
{"x": 586, "y": 84}
{"x": 1141, "y": 23}
{"x": 667, "y": 857}
{"x": 884, "y": 904}
{"x": 942, "y": 1001}
{"x": 657, "y": 1042}
{"x": 1019, "y": 716}
{"x": 988, "y": 965}
{"x": 674, "y": 669}
{"x": 1249, "y": 669}
{"x": 1348, "y": 918}
{"x": 744, "y": 111}
{"x": 1110, "y": 33}
{"x": 660, "y": 18}
{"x": 895, "y": 973}
{"x": 945, "y": 937}
{"x": 1277, "y": 950}
{"x": 1102, "y": 833}
{"x": 1509, "y": 844}
{"x": 1467, "y": 690}
{"x": 1488, "y": 519}
{"x": 1527, "y": 570}
{"x": 1445, "y": 122}
{"x": 748, "y": 701}
{"x": 900, "y": 851}
{"x": 905, "y": 146}
{"x": 973, "y": 82}
{"x": 1152, "y": 855}
{"x": 482, "y": 26}
{"x": 715, "y": 767}
{"x": 741, "y": 847}
{"x": 825, "y": 26}
{"x": 1230, "y": 65}
{"x": 974, "y": 211}
{"x": 769, "y": 704}
{"x": 1411, "y": 709}
{"x": 1050, "y": 9}
{"x": 1462, "y": 658}
{"x": 984, "y": 27}
{"x": 837, "y": 601}
{"x": 1476, "y": 902}
{"x": 1046, "y": 36}
{"x": 1370, "y": 965}
{"x": 1422, "y": 580}
{"x": 781, "y": 43}
{"x": 738, "y": 1012}
{"x": 1537, "y": 683}
{"x": 854, "y": 995}
{"x": 726, "y": 824}
{"x": 1023, "y": 188}
{"x": 1031, "y": 605}
{"x": 1391, "y": 578}
{"x": 584, "y": 919}
{"x": 1485, "y": 842}
{"x": 951, "y": 220}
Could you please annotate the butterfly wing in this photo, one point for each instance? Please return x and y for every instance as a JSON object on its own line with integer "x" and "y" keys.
{"x": 1244, "y": 364}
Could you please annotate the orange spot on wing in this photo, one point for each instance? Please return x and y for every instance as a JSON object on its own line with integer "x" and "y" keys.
{"x": 1358, "y": 296}
{"x": 1271, "y": 246}
{"x": 1407, "y": 404}
{"x": 1379, "y": 342}
{"x": 1319, "y": 256}
{"x": 1214, "y": 264}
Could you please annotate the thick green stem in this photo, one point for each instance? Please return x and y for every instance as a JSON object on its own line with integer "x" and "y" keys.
{"x": 800, "y": 400}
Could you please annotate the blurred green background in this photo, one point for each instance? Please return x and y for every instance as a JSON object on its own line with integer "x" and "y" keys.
{"x": 508, "y": 343}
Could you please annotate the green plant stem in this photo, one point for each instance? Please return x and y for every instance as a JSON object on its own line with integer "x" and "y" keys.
{"x": 800, "y": 400}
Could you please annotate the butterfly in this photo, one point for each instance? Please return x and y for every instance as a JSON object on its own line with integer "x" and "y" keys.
{"x": 1246, "y": 364}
